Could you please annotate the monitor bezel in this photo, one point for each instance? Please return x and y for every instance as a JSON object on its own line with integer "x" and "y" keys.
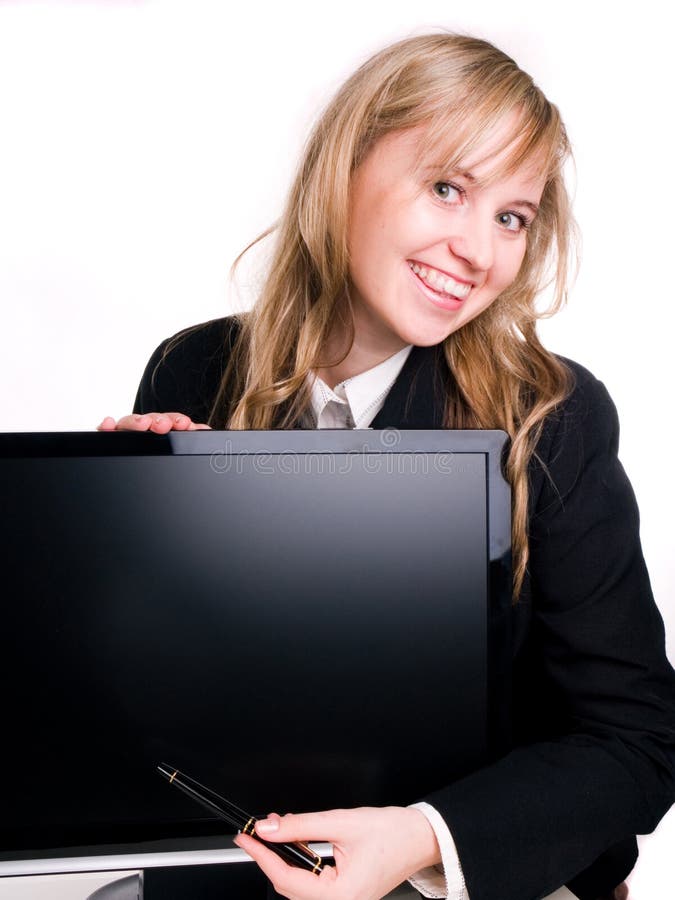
{"x": 221, "y": 445}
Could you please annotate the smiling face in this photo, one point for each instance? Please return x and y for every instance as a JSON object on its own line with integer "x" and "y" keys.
{"x": 427, "y": 256}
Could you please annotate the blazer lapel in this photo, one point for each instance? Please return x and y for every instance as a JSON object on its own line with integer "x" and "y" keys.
{"x": 417, "y": 397}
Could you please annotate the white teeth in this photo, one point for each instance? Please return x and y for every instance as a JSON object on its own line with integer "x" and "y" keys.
{"x": 440, "y": 282}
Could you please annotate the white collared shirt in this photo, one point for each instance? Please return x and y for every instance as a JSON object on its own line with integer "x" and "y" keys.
{"x": 354, "y": 403}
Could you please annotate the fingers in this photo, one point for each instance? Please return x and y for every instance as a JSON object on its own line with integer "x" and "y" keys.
{"x": 289, "y": 881}
{"x": 108, "y": 424}
{"x": 159, "y": 423}
{"x": 319, "y": 826}
{"x": 370, "y": 848}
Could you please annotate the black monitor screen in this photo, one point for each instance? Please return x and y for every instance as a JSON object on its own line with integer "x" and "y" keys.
{"x": 297, "y": 619}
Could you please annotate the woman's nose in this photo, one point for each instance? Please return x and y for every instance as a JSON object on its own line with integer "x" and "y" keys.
{"x": 473, "y": 242}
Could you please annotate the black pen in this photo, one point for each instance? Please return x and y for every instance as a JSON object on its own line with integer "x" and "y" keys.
{"x": 296, "y": 854}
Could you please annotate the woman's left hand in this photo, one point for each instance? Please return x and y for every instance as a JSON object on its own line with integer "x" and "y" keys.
{"x": 374, "y": 849}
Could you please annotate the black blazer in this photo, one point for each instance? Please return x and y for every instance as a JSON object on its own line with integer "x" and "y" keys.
{"x": 592, "y": 755}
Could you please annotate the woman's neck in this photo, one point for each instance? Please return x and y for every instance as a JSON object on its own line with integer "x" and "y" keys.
{"x": 359, "y": 359}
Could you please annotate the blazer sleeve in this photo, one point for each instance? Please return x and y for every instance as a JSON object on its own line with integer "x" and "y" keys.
{"x": 184, "y": 373}
{"x": 545, "y": 811}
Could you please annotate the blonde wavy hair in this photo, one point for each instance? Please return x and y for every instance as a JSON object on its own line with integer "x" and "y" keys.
{"x": 460, "y": 89}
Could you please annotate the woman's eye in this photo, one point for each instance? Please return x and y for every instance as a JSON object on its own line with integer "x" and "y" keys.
{"x": 446, "y": 191}
{"x": 512, "y": 222}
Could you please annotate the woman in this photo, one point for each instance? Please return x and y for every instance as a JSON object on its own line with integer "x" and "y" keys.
{"x": 428, "y": 211}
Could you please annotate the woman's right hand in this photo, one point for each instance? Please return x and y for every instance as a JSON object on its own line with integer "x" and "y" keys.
{"x": 160, "y": 423}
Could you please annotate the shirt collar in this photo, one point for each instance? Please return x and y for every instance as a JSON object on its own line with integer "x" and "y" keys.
{"x": 362, "y": 392}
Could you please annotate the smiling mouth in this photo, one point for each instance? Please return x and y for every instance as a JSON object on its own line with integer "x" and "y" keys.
{"x": 439, "y": 282}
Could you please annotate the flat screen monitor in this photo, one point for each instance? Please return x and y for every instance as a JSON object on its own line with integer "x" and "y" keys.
{"x": 299, "y": 619}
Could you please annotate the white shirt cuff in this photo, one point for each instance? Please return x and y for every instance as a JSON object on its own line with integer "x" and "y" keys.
{"x": 446, "y": 880}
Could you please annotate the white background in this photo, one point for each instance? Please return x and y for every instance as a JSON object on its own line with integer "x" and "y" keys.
{"x": 144, "y": 143}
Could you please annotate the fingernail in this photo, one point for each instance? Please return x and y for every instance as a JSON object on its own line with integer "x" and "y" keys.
{"x": 267, "y": 826}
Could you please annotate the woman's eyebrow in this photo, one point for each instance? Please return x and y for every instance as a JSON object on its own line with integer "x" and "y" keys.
{"x": 531, "y": 206}
{"x": 434, "y": 169}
